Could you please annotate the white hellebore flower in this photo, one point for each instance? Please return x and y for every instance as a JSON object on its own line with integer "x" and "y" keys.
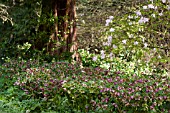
{"x": 160, "y": 14}
{"x": 111, "y": 17}
{"x": 168, "y": 6}
{"x": 138, "y": 13}
{"x": 107, "y": 22}
{"x": 111, "y": 55}
{"x": 163, "y": 1}
{"x": 124, "y": 41}
{"x": 153, "y": 15}
{"x": 130, "y": 23}
{"x": 114, "y": 46}
{"x": 145, "y": 7}
{"x": 102, "y": 56}
{"x": 145, "y": 45}
{"x": 109, "y": 39}
{"x": 104, "y": 43}
{"x": 143, "y": 20}
{"x": 130, "y": 17}
{"x": 135, "y": 43}
{"x": 102, "y": 52}
{"x": 94, "y": 58}
{"x": 112, "y": 29}
{"x": 151, "y": 6}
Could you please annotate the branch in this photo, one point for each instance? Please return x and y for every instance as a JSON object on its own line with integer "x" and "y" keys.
{"x": 4, "y": 14}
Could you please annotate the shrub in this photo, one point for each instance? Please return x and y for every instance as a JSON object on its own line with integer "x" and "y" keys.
{"x": 141, "y": 31}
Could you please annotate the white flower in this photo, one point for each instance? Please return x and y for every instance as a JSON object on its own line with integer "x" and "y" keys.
{"x": 102, "y": 56}
{"x": 168, "y": 7}
{"x": 109, "y": 43}
{"x": 94, "y": 58}
{"x": 159, "y": 56}
{"x": 27, "y": 111}
{"x": 130, "y": 23}
{"x": 131, "y": 35}
{"x": 102, "y": 52}
{"x": 107, "y": 22}
{"x": 151, "y": 6}
{"x": 163, "y": 1}
{"x": 104, "y": 43}
{"x": 110, "y": 55}
{"x": 111, "y": 17}
{"x": 153, "y": 15}
{"x": 138, "y": 13}
{"x": 145, "y": 45}
{"x": 151, "y": 1}
{"x": 124, "y": 41}
{"x": 114, "y": 46}
{"x": 109, "y": 39}
{"x": 143, "y": 20}
{"x": 135, "y": 43}
{"x": 156, "y": 7}
{"x": 112, "y": 29}
{"x": 145, "y": 7}
{"x": 160, "y": 14}
{"x": 130, "y": 17}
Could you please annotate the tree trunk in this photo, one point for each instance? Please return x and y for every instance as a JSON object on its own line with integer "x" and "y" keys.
{"x": 64, "y": 28}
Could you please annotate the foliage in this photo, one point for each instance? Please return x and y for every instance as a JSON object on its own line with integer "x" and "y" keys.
{"x": 110, "y": 62}
{"x": 118, "y": 77}
{"x": 59, "y": 86}
{"x": 25, "y": 18}
{"x": 31, "y": 34}
{"x": 140, "y": 32}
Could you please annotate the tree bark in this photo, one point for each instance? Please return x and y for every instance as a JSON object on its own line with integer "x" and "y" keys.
{"x": 64, "y": 28}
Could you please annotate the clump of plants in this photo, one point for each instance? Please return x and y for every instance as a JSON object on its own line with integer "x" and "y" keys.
{"x": 87, "y": 89}
{"x": 140, "y": 35}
